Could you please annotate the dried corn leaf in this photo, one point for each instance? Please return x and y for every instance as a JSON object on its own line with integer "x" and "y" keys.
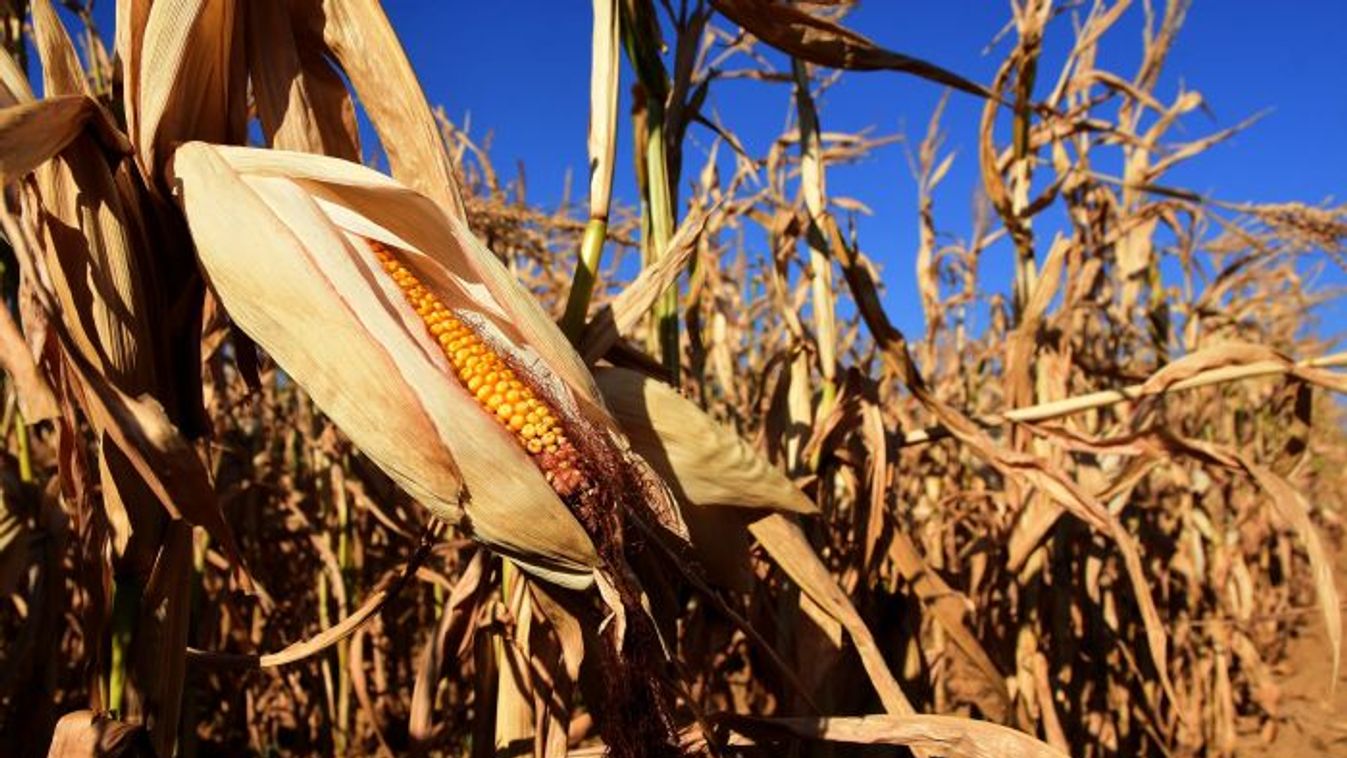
{"x": 61, "y": 70}
{"x": 803, "y": 35}
{"x": 84, "y": 734}
{"x": 365, "y": 45}
{"x": 618, "y": 317}
{"x": 36, "y": 401}
{"x": 301, "y": 103}
{"x": 942, "y": 735}
{"x": 787, "y": 545}
{"x": 189, "y": 76}
{"x": 31, "y": 133}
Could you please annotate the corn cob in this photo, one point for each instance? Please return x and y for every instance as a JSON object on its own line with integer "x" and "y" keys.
{"x": 484, "y": 373}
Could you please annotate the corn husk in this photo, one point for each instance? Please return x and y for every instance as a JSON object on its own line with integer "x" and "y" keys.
{"x": 283, "y": 240}
{"x": 705, "y": 463}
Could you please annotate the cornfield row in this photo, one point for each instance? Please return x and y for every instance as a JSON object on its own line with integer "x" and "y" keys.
{"x": 305, "y": 459}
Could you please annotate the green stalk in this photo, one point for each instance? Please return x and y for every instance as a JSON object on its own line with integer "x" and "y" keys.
{"x": 661, "y": 223}
{"x": 602, "y": 145}
{"x": 125, "y": 611}
{"x": 640, "y": 36}
{"x": 25, "y": 450}
{"x": 586, "y": 275}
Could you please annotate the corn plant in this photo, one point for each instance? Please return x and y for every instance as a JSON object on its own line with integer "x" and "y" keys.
{"x": 303, "y": 457}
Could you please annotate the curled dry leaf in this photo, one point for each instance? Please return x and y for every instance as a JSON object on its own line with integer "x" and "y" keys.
{"x": 817, "y": 40}
{"x": 84, "y": 733}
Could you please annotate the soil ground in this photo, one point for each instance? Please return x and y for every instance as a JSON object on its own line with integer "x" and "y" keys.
{"x": 1315, "y": 721}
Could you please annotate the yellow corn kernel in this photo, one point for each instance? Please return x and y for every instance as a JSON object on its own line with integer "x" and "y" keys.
{"x": 486, "y": 376}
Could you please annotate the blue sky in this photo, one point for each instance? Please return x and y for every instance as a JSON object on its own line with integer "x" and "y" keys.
{"x": 520, "y": 69}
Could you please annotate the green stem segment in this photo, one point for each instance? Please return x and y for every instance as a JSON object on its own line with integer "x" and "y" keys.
{"x": 125, "y": 611}
{"x": 586, "y": 276}
{"x": 661, "y": 223}
{"x": 25, "y": 452}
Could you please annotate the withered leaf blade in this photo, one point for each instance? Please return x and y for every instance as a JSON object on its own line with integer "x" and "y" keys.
{"x": 190, "y": 83}
{"x": 81, "y": 734}
{"x": 365, "y": 45}
{"x": 158, "y": 452}
{"x": 825, "y": 43}
{"x": 945, "y": 735}
{"x": 301, "y": 103}
{"x": 31, "y": 133}
{"x": 788, "y": 546}
{"x": 36, "y": 401}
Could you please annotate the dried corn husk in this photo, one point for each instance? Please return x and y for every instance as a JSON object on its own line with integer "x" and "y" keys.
{"x": 283, "y": 238}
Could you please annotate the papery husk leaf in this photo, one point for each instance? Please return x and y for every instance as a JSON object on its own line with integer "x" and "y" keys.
{"x": 31, "y": 133}
{"x": 704, "y": 462}
{"x": 367, "y": 48}
{"x": 291, "y": 276}
{"x": 416, "y": 222}
{"x": 61, "y": 70}
{"x": 190, "y": 78}
{"x": 301, "y": 103}
{"x": 81, "y": 734}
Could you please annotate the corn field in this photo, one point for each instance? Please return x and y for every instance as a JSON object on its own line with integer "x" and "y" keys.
{"x": 306, "y": 457}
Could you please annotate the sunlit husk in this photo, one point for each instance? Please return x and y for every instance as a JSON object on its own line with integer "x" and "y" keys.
{"x": 706, "y": 463}
{"x": 722, "y": 484}
{"x": 185, "y": 73}
{"x": 283, "y": 240}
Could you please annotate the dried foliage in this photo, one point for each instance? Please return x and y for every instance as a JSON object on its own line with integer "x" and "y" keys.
{"x": 1086, "y": 512}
